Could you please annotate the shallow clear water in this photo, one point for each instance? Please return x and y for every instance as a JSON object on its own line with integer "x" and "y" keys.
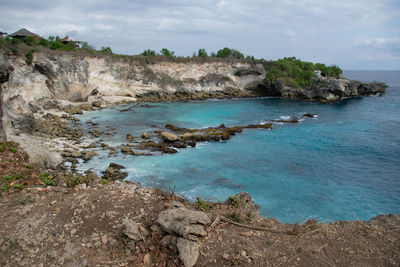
{"x": 343, "y": 165}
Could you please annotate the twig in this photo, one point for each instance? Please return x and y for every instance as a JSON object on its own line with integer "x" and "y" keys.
{"x": 256, "y": 227}
{"x": 215, "y": 222}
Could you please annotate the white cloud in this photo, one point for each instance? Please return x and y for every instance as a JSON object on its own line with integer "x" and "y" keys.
{"x": 323, "y": 30}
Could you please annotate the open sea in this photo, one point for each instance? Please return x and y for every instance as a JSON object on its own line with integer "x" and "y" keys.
{"x": 342, "y": 165}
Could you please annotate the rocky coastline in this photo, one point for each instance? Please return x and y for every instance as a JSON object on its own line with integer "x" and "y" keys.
{"x": 38, "y": 104}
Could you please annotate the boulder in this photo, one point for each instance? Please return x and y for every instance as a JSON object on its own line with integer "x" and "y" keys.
{"x": 145, "y": 135}
{"x": 169, "y": 136}
{"x": 133, "y": 230}
{"x": 129, "y": 137}
{"x": 183, "y": 222}
{"x": 114, "y": 173}
{"x": 52, "y": 160}
{"x": 188, "y": 251}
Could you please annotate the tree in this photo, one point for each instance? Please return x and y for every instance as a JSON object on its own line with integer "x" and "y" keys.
{"x": 165, "y": 52}
{"x": 106, "y": 50}
{"x": 202, "y": 53}
{"x": 149, "y": 52}
{"x": 227, "y": 52}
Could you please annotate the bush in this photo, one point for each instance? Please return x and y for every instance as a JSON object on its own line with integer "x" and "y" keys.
{"x": 29, "y": 40}
{"x": 202, "y": 53}
{"x": 14, "y": 50}
{"x": 43, "y": 42}
{"x": 29, "y": 57}
{"x": 47, "y": 179}
{"x": 227, "y": 52}
{"x": 165, "y": 52}
{"x": 149, "y": 52}
{"x": 106, "y": 50}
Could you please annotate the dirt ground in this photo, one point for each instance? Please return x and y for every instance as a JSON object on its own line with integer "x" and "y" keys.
{"x": 82, "y": 226}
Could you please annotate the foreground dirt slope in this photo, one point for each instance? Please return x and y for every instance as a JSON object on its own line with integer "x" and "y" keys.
{"x": 82, "y": 227}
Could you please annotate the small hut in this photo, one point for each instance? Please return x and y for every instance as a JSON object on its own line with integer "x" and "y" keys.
{"x": 23, "y": 33}
{"x": 2, "y": 33}
{"x": 68, "y": 40}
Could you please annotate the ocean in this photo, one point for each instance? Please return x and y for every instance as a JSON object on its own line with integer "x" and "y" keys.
{"x": 342, "y": 165}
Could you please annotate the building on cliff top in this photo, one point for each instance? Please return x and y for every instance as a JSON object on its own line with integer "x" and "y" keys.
{"x": 68, "y": 40}
{"x": 23, "y": 33}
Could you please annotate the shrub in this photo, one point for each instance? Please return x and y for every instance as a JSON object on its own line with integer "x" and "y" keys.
{"x": 14, "y": 50}
{"x": 227, "y": 52}
{"x": 29, "y": 40}
{"x": 202, "y": 53}
{"x": 106, "y": 50}
{"x": 149, "y": 52}
{"x": 29, "y": 57}
{"x": 79, "y": 179}
{"x": 203, "y": 205}
{"x": 47, "y": 179}
{"x": 167, "y": 53}
{"x": 43, "y": 42}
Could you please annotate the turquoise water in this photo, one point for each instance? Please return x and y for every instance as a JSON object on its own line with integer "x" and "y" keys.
{"x": 342, "y": 165}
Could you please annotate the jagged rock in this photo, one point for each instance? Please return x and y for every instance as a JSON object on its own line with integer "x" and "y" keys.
{"x": 310, "y": 115}
{"x": 133, "y": 230}
{"x": 145, "y": 135}
{"x": 114, "y": 173}
{"x": 92, "y": 145}
{"x": 96, "y": 104}
{"x": 188, "y": 251}
{"x": 169, "y": 136}
{"x": 169, "y": 150}
{"x": 169, "y": 241}
{"x": 183, "y": 222}
{"x": 87, "y": 155}
{"x": 126, "y": 149}
{"x": 129, "y": 137}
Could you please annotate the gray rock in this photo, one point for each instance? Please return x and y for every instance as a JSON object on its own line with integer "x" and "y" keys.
{"x": 52, "y": 160}
{"x": 188, "y": 251}
{"x": 183, "y": 222}
{"x": 145, "y": 136}
{"x": 169, "y": 136}
{"x": 132, "y": 229}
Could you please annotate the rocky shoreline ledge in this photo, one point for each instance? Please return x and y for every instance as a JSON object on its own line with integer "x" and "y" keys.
{"x": 123, "y": 224}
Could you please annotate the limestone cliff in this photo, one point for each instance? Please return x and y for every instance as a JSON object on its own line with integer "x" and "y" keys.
{"x": 83, "y": 77}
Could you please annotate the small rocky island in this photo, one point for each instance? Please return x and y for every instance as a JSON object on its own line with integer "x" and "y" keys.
{"x": 55, "y": 216}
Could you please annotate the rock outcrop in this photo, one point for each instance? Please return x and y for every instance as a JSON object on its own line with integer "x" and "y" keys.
{"x": 328, "y": 90}
{"x": 184, "y": 227}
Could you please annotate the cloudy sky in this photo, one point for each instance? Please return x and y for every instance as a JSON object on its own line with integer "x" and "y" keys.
{"x": 354, "y": 34}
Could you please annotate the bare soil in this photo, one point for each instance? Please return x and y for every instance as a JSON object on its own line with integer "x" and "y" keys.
{"x": 82, "y": 226}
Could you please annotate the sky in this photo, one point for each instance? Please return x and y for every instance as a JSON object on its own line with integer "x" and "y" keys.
{"x": 353, "y": 34}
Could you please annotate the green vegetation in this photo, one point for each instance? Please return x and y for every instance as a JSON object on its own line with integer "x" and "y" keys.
{"x": 167, "y": 53}
{"x": 106, "y": 50}
{"x": 47, "y": 179}
{"x": 202, "y": 53}
{"x": 29, "y": 57}
{"x": 9, "y": 146}
{"x": 79, "y": 179}
{"x": 296, "y": 73}
{"x": 228, "y": 52}
{"x": 203, "y": 205}
{"x": 149, "y": 52}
